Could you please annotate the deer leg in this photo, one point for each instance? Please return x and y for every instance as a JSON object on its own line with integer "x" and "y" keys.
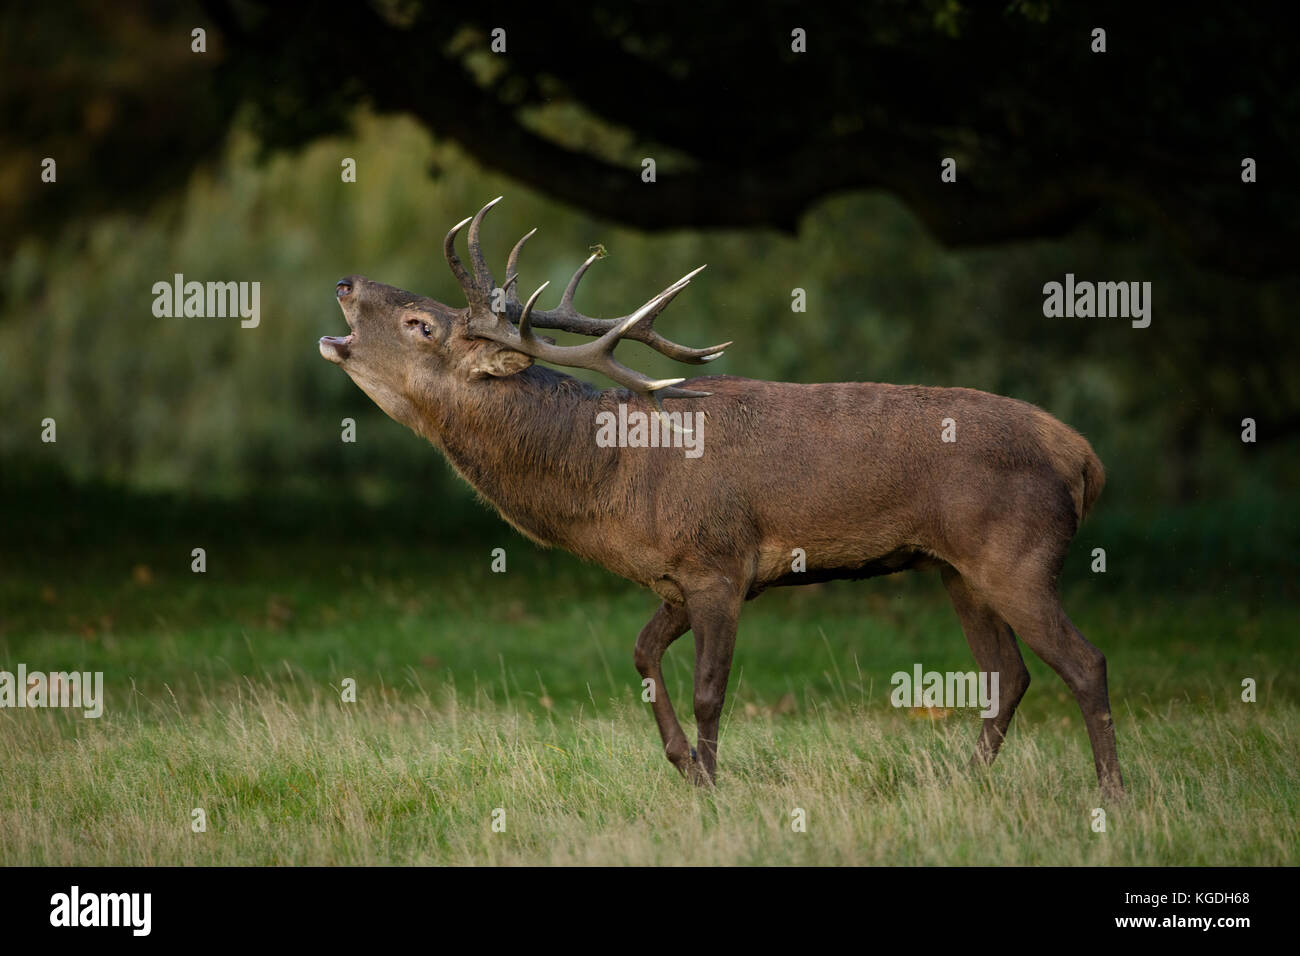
{"x": 995, "y": 650}
{"x": 714, "y": 614}
{"x": 1040, "y": 621}
{"x": 668, "y": 624}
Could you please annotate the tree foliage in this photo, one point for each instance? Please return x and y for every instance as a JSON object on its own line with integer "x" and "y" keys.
{"x": 746, "y": 132}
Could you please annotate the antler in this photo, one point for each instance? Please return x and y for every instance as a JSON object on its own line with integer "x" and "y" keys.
{"x": 597, "y": 356}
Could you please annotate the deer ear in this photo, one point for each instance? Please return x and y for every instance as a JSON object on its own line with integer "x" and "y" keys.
{"x": 499, "y": 363}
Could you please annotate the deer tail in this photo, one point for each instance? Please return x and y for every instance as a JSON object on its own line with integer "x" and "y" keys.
{"x": 1092, "y": 480}
{"x": 1074, "y": 460}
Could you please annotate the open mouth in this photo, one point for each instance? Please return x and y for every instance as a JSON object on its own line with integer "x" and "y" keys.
{"x": 336, "y": 348}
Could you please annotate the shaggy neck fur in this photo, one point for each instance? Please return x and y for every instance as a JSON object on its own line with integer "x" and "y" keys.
{"x": 527, "y": 444}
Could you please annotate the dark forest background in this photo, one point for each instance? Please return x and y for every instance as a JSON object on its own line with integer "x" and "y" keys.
{"x": 817, "y": 170}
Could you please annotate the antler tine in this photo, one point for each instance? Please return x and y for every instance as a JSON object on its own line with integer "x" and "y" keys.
{"x": 595, "y": 356}
{"x": 525, "y": 323}
{"x": 646, "y": 334}
{"x": 512, "y": 269}
{"x": 457, "y": 267}
{"x": 567, "y": 319}
{"x": 482, "y": 273}
{"x": 566, "y": 301}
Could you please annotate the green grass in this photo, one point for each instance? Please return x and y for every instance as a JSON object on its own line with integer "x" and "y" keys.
{"x": 478, "y": 691}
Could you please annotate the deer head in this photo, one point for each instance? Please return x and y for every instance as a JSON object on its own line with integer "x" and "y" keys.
{"x": 406, "y": 350}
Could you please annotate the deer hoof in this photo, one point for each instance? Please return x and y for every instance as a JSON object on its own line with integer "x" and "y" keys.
{"x": 698, "y": 775}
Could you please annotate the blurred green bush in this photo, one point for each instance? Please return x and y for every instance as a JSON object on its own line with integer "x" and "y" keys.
{"x": 201, "y": 405}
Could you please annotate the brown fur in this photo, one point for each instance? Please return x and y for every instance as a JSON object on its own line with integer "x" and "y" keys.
{"x": 855, "y": 474}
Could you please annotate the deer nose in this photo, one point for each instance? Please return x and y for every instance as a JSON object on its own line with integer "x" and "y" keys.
{"x": 343, "y": 289}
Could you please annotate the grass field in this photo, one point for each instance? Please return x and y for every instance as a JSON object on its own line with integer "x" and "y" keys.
{"x": 478, "y": 691}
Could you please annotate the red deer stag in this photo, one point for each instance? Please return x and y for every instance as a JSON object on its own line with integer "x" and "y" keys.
{"x": 855, "y": 474}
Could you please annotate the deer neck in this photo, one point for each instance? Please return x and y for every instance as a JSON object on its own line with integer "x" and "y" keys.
{"x": 527, "y": 444}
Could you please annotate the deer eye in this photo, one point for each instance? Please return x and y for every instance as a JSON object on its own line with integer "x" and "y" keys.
{"x": 424, "y": 327}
